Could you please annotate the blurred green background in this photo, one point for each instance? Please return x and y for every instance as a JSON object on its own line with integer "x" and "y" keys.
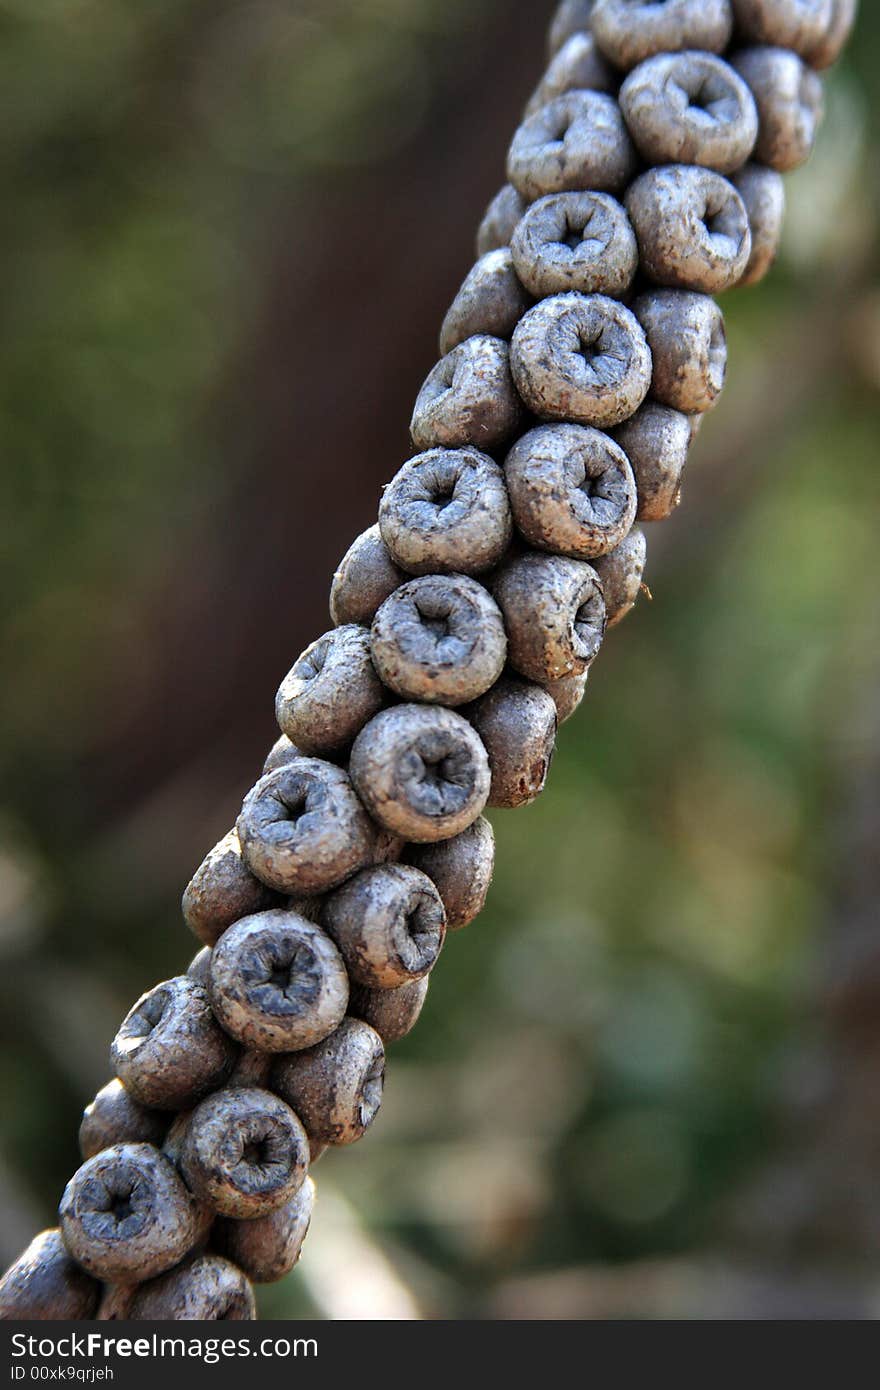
{"x": 646, "y": 1081}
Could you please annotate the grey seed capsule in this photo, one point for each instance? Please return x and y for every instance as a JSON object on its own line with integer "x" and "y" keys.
{"x": 554, "y": 614}
{"x": 126, "y": 1216}
{"x": 790, "y": 105}
{"x": 170, "y": 1050}
{"x": 365, "y": 577}
{"x": 583, "y": 358}
{"x": 690, "y": 108}
{"x": 796, "y": 24}
{"x": 628, "y": 31}
{"x": 330, "y": 692}
{"x": 571, "y": 17}
{"x": 689, "y": 347}
{"x": 446, "y": 512}
{"x": 114, "y": 1118}
{"x": 336, "y": 1087}
{"x": 516, "y": 721}
{"x": 206, "y": 1289}
{"x": 571, "y": 489}
{"x": 421, "y": 771}
{"x": 467, "y": 398}
{"x": 268, "y": 1248}
{"x": 491, "y": 301}
{"x": 439, "y": 639}
{"x": 281, "y": 753}
{"x": 578, "y": 140}
{"x": 251, "y": 1069}
{"x": 621, "y": 574}
{"x": 389, "y": 924}
{"x": 199, "y": 968}
{"x": 826, "y": 50}
{"x": 278, "y": 982}
{"x": 578, "y": 66}
{"x": 763, "y": 193}
{"x": 692, "y": 228}
{"x": 656, "y": 441}
{"x": 221, "y": 890}
{"x": 302, "y": 828}
{"x": 576, "y": 241}
{"x": 46, "y": 1285}
{"x": 461, "y": 869}
{"x": 393, "y": 1013}
{"x": 244, "y": 1152}
{"x": 499, "y": 220}
{"x": 567, "y": 694}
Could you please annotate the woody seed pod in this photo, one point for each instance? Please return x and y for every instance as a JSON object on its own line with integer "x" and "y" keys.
{"x": 578, "y": 141}
{"x": 467, "y": 398}
{"x": 582, "y": 358}
{"x": 575, "y": 241}
{"x": 267, "y": 1248}
{"x": 391, "y": 1012}
{"x": 828, "y": 48}
{"x": 46, "y": 1285}
{"x": 688, "y": 345}
{"x": 461, "y": 870}
{"x": 421, "y": 771}
{"x": 116, "y": 1301}
{"x": 439, "y": 639}
{"x": 251, "y": 1069}
{"x": 281, "y": 753}
{"x": 517, "y": 724}
{"x": 763, "y": 194}
{"x": 221, "y": 890}
{"x": 690, "y": 108}
{"x": 554, "y": 615}
{"x": 446, "y": 512}
{"x": 199, "y": 968}
{"x": 796, "y": 24}
{"x": 125, "y": 1214}
{"x": 656, "y": 442}
{"x": 490, "y": 301}
{"x": 336, "y": 1087}
{"x": 170, "y": 1050}
{"x": 302, "y": 829}
{"x": 278, "y": 982}
{"x": 567, "y": 694}
{"x": 621, "y": 574}
{"x": 577, "y": 67}
{"x": 571, "y": 17}
{"x": 244, "y": 1152}
{"x": 571, "y": 489}
{"x": 389, "y": 924}
{"x": 114, "y": 1118}
{"x": 206, "y": 1289}
{"x": 365, "y": 577}
{"x": 789, "y": 99}
{"x": 499, "y": 220}
{"x": 691, "y": 226}
{"x": 629, "y": 31}
{"x": 330, "y": 692}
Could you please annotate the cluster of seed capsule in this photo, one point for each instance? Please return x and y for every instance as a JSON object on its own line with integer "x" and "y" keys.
{"x": 578, "y": 358}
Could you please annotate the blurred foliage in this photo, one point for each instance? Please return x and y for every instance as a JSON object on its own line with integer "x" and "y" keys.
{"x": 616, "y": 1050}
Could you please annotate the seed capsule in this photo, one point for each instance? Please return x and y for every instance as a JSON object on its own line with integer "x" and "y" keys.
{"x": 244, "y": 1152}
{"x": 690, "y": 108}
{"x": 199, "y": 968}
{"x": 170, "y": 1050}
{"x": 389, "y": 924}
{"x": 656, "y": 441}
{"x": 365, "y": 577}
{"x": 571, "y": 17}
{"x": 797, "y": 24}
{"x": 303, "y": 830}
{"x": 763, "y": 193}
{"x": 331, "y": 692}
{"x": 567, "y": 694}
{"x": 577, "y": 141}
{"x": 46, "y": 1285}
{"x": 688, "y": 345}
{"x": 281, "y": 753}
{"x": 499, "y": 220}
{"x": 336, "y": 1087}
{"x": 629, "y": 31}
{"x": 554, "y": 614}
{"x": 421, "y": 771}
{"x": 391, "y": 1012}
{"x": 468, "y": 398}
{"x": 578, "y": 66}
{"x": 621, "y": 574}
{"x": 114, "y": 1118}
{"x": 692, "y": 228}
{"x": 206, "y": 1289}
{"x": 829, "y": 47}
{"x": 461, "y": 870}
{"x": 516, "y": 721}
{"x": 491, "y": 301}
{"x": 221, "y": 890}
{"x": 277, "y": 982}
{"x": 789, "y": 99}
{"x": 575, "y": 241}
{"x": 267, "y": 1248}
{"x": 446, "y": 512}
{"x": 126, "y": 1216}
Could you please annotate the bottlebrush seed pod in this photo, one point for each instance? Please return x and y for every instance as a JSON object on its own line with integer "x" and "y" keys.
{"x": 302, "y": 828}
{"x": 281, "y": 753}
{"x": 692, "y": 228}
{"x": 335, "y": 1087}
{"x": 690, "y": 108}
{"x": 330, "y": 693}
{"x": 267, "y": 1248}
{"x": 391, "y": 1012}
{"x": 577, "y": 67}
{"x": 126, "y": 1216}
{"x": 567, "y": 694}
{"x": 688, "y": 344}
{"x": 571, "y": 489}
{"x": 389, "y": 923}
{"x": 621, "y": 574}
{"x": 199, "y": 968}
{"x": 468, "y": 398}
{"x": 829, "y": 47}
{"x": 114, "y": 1118}
{"x": 446, "y": 512}
{"x": 628, "y": 31}
{"x": 516, "y": 721}
{"x": 278, "y": 982}
{"x": 490, "y": 301}
{"x": 170, "y": 1050}
{"x": 554, "y": 614}
{"x": 251, "y": 1069}
{"x": 461, "y": 870}
{"x": 206, "y": 1289}
{"x": 578, "y": 140}
{"x": 221, "y": 890}
{"x": 499, "y": 220}
{"x": 46, "y": 1285}
{"x": 244, "y": 1152}
{"x": 581, "y": 358}
{"x": 365, "y": 577}
{"x": 789, "y": 99}
{"x": 580, "y": 242}
{"x": 763, "y": 193}
{"x": 571, "y": 17}
{"x": 440, "y": 639}
{"x": 421, "y": 771}
{"x": 656, "y": 441}
{"x": 796, "y": 24}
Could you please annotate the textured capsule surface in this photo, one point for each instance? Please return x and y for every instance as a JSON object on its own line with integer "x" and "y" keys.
{"x": 330, "y": 692}
{"x": 629, "y": 31}
{"x": 468, "y": 398}
{"x": 389, "y": 924}
{"x": 575, "y": 241}
{"x": 578, "y": 140}
{"x": 692, "y": 228}
{"x": 335, "y": 1087}
{"x": 690, "y": 108}
{"x": 461, "y": 869}
{"x": 688, "y": 347}
{"x": 554, "y": 613}
{"x": 446, "y": 511}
